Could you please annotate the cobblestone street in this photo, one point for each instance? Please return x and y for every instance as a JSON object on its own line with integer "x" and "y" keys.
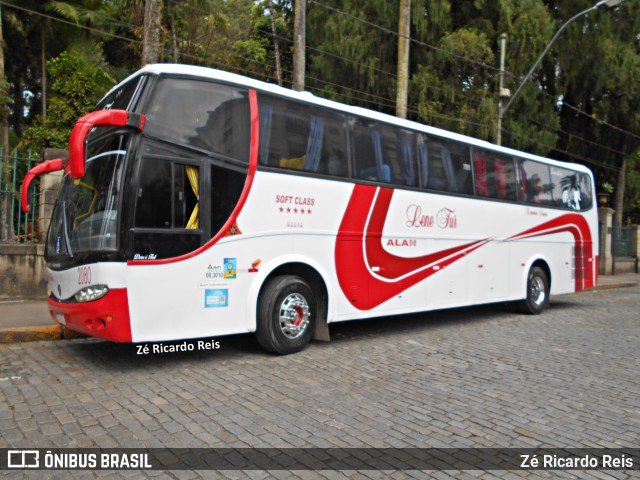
{"x": 475, "y": 377}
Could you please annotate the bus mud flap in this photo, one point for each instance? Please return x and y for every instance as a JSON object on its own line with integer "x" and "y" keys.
{"x": 321, "y": 331}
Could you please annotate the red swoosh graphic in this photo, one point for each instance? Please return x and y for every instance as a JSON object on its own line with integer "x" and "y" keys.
{"x": 586, "y": 273}
{"x": 359, "y": 246}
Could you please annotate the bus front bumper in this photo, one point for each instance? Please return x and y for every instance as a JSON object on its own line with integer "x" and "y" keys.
{"x": 106, "y": 318}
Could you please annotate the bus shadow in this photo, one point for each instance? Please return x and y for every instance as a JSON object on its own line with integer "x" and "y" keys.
{"x": 433, "y": 320}
{"x": 111, "y": 356}
{"x": 157, "y": 355}
{"x": 423, "y": 321}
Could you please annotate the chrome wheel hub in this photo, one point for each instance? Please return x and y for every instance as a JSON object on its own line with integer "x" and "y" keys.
{"x": 294, "y": 315}
{"x": 537, "y": 292}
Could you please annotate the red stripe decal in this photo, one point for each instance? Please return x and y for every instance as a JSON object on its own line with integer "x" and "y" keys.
{"x": 359, "y": 251}
{"x": 576, "y": 225}
{"x": 369, "y": 275}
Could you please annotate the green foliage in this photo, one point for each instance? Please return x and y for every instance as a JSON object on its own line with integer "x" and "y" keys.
{"x": 632, "y": 192}
{"x": 76, "y": 87}
{"x": 584, "y": 85}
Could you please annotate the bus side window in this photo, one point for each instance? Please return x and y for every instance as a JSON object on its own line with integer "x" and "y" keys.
{"x": 433, "y": 171}
{"x": 449, "y": 167}
{"x": 480, "y": 175}
{"x": 571, "y": 189}
{"x": 167, "y": 195}
{"x": 369, "y": 162}
{"x": 334, "y": 159}
{"x": 537, "y": 182}
{"x": 302, "y": 137}
{"x": 284, "y": 130}
{"x": 438, "y": 167}
{"x": 494, "y": 175}
{"x": 398, "y": 155}
{"x": 226, "y": 188}
{"x": 585, "y": 191}
{"x": 408, "y": 158}
{"x": 364, "y": 156}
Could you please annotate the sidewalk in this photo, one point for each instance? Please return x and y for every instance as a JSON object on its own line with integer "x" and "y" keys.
{"x": 29, "y": 320}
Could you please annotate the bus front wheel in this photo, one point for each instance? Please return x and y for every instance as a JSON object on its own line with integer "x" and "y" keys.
{"x": 537, "y": 294}
{"x": 286, "y": 314}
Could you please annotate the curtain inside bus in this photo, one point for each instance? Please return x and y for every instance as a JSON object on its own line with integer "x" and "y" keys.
{"x": 192, "y": 175}
{"x": 314, "y": 147}
{"x": 407, "y": 160}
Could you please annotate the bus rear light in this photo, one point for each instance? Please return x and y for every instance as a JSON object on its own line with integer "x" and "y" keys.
{"x": 89, "y": 294}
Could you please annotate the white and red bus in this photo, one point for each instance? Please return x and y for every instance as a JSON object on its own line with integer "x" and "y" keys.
{"x": 199, "y": 203}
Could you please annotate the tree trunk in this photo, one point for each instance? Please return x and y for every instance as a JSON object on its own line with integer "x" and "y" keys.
{"x": 43, "y": 60}
{"x": 152, "y": 25}
{"x": 276, "y": 48}
{"x": 4, "y": 94}
{"x": 4, "y": 144}
{"x": 174, "y": 40}
{"x": 404, "y": 31}
{"x": 618, "y": 203}
{"x": 299, "y": 44}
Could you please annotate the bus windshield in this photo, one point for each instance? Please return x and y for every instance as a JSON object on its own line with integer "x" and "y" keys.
{"x": 86, "y": 214}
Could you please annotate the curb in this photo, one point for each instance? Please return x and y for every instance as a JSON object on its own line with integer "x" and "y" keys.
{"x": 37, "y": 334}
{"x": 612, "y": 286}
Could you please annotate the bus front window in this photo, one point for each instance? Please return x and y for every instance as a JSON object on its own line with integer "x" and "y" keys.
{"x": 86, "y": 216}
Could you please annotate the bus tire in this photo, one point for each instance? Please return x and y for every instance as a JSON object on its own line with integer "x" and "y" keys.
{"x": 537, "y": 294}
{"x": 286, "y": 314}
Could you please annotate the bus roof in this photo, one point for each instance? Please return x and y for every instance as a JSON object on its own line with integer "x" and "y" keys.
{"x": 308, "y": 97}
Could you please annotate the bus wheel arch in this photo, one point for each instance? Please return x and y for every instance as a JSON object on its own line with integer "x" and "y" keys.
{"x": 537, "y": 288}
{"x": 292, "y": 282}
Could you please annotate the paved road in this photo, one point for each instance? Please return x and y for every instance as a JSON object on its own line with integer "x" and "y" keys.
{"x": 476, "y": 377}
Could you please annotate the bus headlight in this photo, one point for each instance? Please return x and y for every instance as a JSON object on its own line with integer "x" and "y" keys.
{"x": 92, "y": 293}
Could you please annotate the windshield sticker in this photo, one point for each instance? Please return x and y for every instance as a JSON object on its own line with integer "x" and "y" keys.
{"x": 216, "y": 298}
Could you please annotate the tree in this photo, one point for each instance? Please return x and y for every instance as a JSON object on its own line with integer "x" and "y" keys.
{"x": 4, "y": 100}
{"x": 404, "y": 30}
{"x": 276, "y": 47}
{"x": 5, "y": 234}
{"x": 76, "y": 88}
{"x": 600, "y": 110}
{"x": 151, "y": 36}
{"x": 352, "y": 60}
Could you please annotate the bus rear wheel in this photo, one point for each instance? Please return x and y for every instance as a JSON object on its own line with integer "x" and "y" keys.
{"x": 537, "y": 294}
{"x": 286, "y": 314}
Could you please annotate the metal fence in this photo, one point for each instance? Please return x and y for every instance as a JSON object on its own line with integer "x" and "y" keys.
{"x": 17, "y": 226}
{"x": 622, "y": 242}
{"x": 623, "y": 247}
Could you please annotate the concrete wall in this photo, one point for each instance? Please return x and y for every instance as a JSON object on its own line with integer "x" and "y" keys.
{"x": 23, "y": 273}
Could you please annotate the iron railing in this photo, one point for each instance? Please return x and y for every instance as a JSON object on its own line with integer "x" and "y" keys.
{"x": 17, "y": 226}
{"x": 623, "y": 248}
